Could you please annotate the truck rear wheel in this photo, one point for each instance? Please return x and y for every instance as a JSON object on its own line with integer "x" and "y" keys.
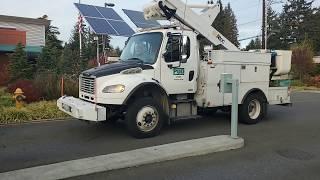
{"x": 253, "y": 109}
{"x": 144, "y": 118}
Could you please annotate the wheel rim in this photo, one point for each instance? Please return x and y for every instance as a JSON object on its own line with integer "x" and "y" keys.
{"x": 147, "y": 118}
{"x": 254, "y": 109}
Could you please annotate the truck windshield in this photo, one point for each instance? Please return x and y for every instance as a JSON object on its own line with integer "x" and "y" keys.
{"x": 142, "y": 47}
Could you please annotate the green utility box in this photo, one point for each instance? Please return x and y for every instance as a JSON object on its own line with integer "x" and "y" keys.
{"x": 226, "y": 83}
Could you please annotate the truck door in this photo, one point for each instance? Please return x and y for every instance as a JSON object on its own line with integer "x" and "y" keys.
{"x": 179, "y": 65}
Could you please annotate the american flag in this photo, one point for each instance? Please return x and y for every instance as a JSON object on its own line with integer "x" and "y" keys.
{"x": 80, "y": 22}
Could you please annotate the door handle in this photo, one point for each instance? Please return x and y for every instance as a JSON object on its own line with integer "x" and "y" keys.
{"x": 219, "y": 85}
{"x": 191, "y": 75}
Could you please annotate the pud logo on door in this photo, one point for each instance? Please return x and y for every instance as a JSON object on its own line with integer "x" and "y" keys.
{"x": 178, "y": 71}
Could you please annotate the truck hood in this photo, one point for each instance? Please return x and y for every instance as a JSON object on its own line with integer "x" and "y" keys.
{"x": 109, "y": 69}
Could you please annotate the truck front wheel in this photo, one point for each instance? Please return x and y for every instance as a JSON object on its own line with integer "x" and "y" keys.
{"x": 144, "y": 118}
{"x": 253, "y": 109}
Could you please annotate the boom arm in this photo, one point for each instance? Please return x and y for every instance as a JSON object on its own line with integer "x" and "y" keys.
{"x": 168, "y": 9}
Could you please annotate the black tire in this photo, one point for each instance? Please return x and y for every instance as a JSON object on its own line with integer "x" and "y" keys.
{"x": 251, "y": 104}
{"x": 156, "y": 114}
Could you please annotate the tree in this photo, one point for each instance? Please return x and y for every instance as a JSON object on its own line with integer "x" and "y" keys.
{"x": 273, "y": 29}
{"x": 295, "y": 21}
{"x": 118, "y": 51}
{"x": 231, "y": 29}
{"x": 48, "y": 59}
{"x": 52, "y": 33}
{"x": 51, "y": 52}
{"x": 314, "y": 30}
{"x": 254, "y": 44}
{"x": 226, "y": 23}
{"x": 20, "y": 67}
{"x": 70, "y": 61}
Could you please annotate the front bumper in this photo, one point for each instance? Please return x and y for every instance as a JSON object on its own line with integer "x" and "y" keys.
{"x": 80, "y": 109}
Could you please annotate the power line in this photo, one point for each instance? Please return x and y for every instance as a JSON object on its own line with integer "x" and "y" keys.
{"x": 250, "y": 22}
{"x": 251, "y": 37}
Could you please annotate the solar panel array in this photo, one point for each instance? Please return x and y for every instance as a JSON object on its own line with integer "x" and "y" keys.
{"x": 104, "y": 21}
{"x": 138, "y": 19}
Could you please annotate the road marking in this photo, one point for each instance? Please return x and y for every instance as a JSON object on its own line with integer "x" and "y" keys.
{"x": 127, "y": 159}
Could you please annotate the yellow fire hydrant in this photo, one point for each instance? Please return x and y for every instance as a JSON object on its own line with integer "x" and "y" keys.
{"x": 19, "y": 98}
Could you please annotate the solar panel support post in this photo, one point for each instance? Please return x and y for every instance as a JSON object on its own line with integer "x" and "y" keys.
{"x": 80, "y": 36}
{"x": 97, "y": 39}
{"x": 104, "y": 48}
{"x": 80, "y": 43}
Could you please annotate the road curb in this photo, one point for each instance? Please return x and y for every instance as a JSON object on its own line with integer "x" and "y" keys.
{"x": 127, "y": 159}
{"x": 306, "y": 90}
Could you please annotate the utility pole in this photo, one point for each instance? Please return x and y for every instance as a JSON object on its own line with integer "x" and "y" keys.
{"x": 264, "y": 24}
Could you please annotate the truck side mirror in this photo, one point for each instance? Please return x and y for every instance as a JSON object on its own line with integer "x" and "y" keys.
{"x": 184, "y": 49}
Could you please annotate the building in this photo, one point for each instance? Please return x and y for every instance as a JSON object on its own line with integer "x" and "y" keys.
{"x": 316, "y": 59}
{"x": 13, "y": 30}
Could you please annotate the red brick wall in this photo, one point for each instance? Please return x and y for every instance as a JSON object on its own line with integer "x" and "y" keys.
{"x": 12, "y": 37}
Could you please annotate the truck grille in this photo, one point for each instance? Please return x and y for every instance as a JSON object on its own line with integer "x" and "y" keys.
{"x": 87, "y": 85}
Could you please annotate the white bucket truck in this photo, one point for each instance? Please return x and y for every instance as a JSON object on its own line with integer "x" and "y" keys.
{"x": 163, "y": 75}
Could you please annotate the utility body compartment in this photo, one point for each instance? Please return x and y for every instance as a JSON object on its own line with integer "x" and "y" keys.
{"x": 252, "y": 69}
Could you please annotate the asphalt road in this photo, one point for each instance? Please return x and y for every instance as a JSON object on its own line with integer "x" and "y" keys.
{"x": 284, "y": 146}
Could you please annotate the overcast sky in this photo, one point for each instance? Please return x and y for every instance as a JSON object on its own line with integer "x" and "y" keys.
{"x": 64, "y": 14}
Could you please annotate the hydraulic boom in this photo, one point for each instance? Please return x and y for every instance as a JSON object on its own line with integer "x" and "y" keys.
{"x": 168, "y": 9}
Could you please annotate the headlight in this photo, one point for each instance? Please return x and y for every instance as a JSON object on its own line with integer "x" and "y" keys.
{"x": 119, "y": 88}
{"x": 132, "y": 71}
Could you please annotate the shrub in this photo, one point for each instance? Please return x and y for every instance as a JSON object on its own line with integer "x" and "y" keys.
{"x": 48, "y": 84}
{"x": 30, "y": 91}
{"x": 314, "y": 81}
{"x": 6, "y": 99}
{"x": 317, "y": 69}
{"x": 297, "y": 83}
{"x": 302, "y": 60}
{"x": 71, "y": 86}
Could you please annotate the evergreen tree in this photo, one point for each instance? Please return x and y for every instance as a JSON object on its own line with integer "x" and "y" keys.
{"x": 70, "y": 61}
{"x": 295, "y": 18}
{"x": 254, "y": 44}
{"x": 51, "y": 52}
{"x": 313, "y": 27}
{"x": 226, "y": 23}
{"x": 274, "y": 37}
{"x": 52, "y": 33}
{"x": 118, "y": 51}
{"x": 219, "y": 22}
{"x": 231, "y": 29}
{"x": 20, "y": 67}
{"x": 48, "y": 59}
